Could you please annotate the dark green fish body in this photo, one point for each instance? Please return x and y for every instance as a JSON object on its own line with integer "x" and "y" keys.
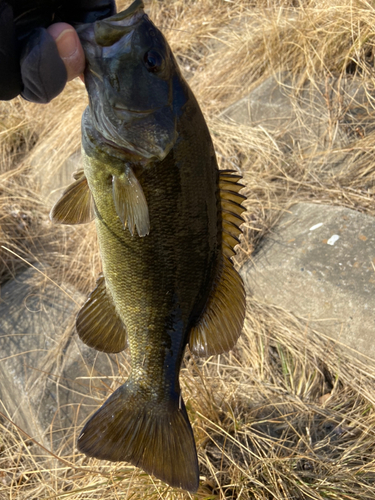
{"x": 166, "y": 220}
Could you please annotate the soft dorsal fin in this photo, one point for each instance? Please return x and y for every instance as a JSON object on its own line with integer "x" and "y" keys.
{"x": 98, "y": 324}
{"x": 220, "y": 324}
{"x": 130, "y": 202}
{"x": 76, "y": 205}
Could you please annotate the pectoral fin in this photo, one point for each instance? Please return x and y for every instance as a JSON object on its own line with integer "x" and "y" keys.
{"x": 76, "y": 205}
{"x": 130, "y": 203}
{"x": 221, "y": 322}
{"x": 98, "y": 324}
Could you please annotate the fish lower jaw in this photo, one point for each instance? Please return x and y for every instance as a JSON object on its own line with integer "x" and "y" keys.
{"x": 96, "y": 142}
{"x": 130, "y": 152}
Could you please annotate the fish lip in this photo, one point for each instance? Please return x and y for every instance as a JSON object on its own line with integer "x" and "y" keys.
{"x": 128, "y": 19}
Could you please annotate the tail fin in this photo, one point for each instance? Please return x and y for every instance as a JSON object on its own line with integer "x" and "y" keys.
{"x": 156, "y": 436}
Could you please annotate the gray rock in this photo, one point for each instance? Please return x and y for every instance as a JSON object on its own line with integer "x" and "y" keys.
{"x": 312, "y": 117}
{"x": 46, "y": 384}
{"x": 268, "y": 105}
{"x": 318, "y": 263}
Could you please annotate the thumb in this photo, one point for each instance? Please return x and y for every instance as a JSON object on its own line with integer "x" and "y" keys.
{"x": 69, "y": 48}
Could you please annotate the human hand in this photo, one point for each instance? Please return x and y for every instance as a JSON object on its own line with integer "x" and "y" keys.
{"x": 37, "y": 57}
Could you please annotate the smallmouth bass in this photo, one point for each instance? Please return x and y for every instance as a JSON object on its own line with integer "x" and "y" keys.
{"x": 167, "y": 221}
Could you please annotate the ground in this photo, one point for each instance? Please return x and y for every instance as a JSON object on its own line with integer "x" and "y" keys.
{"x": 284, "y": 415}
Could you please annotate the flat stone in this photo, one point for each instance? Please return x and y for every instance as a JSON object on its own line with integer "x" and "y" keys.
{"x": 318, "y": 263}
{"x": 49, "y": 380}
{"x": 313, "y": 117}
{"x": 268, "y": 105}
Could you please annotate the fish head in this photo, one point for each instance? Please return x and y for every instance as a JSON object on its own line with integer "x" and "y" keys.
{"x": 136, "y": 91}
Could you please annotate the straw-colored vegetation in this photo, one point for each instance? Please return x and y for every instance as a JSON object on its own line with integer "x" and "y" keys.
{"x": 282, "y": 416}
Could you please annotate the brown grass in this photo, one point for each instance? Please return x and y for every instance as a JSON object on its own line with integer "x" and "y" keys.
{"x": 285, "y": 415}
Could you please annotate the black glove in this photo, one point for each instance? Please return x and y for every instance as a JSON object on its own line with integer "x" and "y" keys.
{"x": 29, "y": 61}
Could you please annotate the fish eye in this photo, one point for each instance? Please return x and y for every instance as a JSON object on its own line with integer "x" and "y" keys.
{"x": 153, "y": 61}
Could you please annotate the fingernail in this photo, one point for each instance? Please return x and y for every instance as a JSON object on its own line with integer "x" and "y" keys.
{"x": 67, "y": 43}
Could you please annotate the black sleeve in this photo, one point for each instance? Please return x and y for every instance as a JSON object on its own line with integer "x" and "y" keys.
{"x": 43, "y": 71}
{"x": 85, "y": 11}
{"x": 31, "y": 14}
{"x": 10, "y": 73}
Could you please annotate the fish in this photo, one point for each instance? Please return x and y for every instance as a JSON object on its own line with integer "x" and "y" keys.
{"x": 167, "y": 220}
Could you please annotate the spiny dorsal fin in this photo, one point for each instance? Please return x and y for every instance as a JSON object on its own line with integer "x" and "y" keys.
{"x": 151, "y": 433}
{"x": 221, "y": 322}
{"x": 76, "y": 205}
{"x": 230, "y": 176}
{"x": 231, "y": 208}
{"x": 98, "y": 324}
{"x": 130, "y": 203}
{"x": 229, "y": 216}
{"x": 232, "y": 185}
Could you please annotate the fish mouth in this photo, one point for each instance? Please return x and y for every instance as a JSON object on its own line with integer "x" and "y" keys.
{"x": 107, "y": 32}
{"x": 126, "y": 17}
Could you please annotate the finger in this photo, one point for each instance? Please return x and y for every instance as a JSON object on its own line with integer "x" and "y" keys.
{"x": 69, "y": 48}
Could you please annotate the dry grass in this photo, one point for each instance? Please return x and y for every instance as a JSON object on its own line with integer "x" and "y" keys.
{"x": 285, "y": 415}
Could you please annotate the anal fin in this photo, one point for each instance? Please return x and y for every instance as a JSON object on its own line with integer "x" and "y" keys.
{"x": 221, "y": 322}
{"x": 76, "y": 205}
{"x": 98, "y": 324}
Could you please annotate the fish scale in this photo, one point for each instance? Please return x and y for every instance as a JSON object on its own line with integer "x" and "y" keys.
{"x": 158, "y": 282}
{"x": 160, "y": 266}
